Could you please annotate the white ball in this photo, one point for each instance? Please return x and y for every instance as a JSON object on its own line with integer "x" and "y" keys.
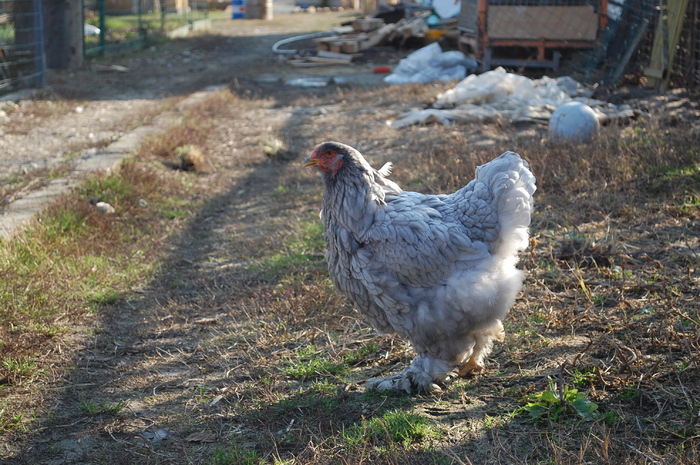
{"x": 574, "y": 122}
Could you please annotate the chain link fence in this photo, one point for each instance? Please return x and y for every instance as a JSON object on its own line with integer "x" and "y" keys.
{"x": 687, "y": 63}
{"x": 626, "y": 46}
{"x": 22, "y": 61}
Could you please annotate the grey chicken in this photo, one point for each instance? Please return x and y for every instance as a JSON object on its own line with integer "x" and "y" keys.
{"x": 439, "y": 270}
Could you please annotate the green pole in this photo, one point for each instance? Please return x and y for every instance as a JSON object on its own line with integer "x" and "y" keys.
{"x": 101, "y": 7}
{"x": 140, "y": 12}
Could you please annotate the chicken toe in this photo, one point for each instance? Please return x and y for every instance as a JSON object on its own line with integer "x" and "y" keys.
{"x": 469, "y": 368}
{"x": 421, "y": 375}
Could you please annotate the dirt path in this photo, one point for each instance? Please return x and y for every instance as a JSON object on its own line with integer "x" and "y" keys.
{"x": 85, "y": 112}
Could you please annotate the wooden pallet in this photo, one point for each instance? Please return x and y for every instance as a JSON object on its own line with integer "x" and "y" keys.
{"x": 356, "y": 42}
{"x": 367, "y": 24}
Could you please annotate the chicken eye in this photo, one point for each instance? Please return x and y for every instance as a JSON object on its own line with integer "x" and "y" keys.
{"x": 328, "y": 154}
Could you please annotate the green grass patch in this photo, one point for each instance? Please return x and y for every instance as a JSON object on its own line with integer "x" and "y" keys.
{"x": 74, "y": 260}
{"x": 92, "y": 408}
{"x": 17, "y": 370}
{"x": 391, "y": 429}
{"x": 303, "y": 251}
{"x": 310, "y": 363}
{"x": 9, "y": 420}
{"x": 359, "y": 355}
{"x": 234, "y": 455}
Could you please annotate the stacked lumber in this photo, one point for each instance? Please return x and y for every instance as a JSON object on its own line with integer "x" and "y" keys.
{"x": 322, "y": 58}
{"x": 410, "y": 27}
{"x": 362, "y": 34}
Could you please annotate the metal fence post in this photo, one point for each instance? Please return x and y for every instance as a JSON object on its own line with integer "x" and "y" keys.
{"x": 39, "y": 44}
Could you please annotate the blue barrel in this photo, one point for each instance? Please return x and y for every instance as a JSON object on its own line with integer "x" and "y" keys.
{"x": 238, "y": 9}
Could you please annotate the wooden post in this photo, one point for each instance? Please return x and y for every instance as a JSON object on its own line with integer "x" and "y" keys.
{"x": 482, "y": 37}
{"x": 63, "y": 25}
{"x": 668, "y": 33}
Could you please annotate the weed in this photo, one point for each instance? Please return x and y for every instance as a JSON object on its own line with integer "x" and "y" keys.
{"x": 112, "y": 189}
{"x": 491, "y": 422}
{"x": 357, "y": 356}
{"x": 552, "y": 404}
{"x": 583, "y": 378}
{"x": 10, "y": 421}
{"x": 631, "y": 394}
{"x": 64, "y": 222}
{"x": 17, "y": 370}
{"x": 91, "y": 408}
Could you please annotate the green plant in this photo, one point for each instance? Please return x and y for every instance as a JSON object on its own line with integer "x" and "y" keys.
{"x": 10, "y": 421}
{"x": 631, "y": 394}
{"x": 583, "y": 378}
{"x": 356, "y": 356}
{"x": 112, "y": 189}
{"x": 91, "y": 408}
{"x": 18, "y": 369}
{"x": 554, "y": 403}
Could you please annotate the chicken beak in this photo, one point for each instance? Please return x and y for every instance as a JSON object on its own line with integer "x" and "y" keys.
{"x": 310, "y": 161}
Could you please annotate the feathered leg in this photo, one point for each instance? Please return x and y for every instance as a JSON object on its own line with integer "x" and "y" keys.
{"x": 484, "y": 345}
{"x": 422, "y": 374}
{"x": 426, "y": 369}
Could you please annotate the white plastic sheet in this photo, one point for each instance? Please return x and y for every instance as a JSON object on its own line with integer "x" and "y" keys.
{"x": 498, "y": 94}
{"x": 430, "y": 63}
{"x": 447, "y": 9}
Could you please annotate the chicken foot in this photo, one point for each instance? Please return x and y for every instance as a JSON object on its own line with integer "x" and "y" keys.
{"x": 483, "y": 343}
{"x": 422, "y": 374}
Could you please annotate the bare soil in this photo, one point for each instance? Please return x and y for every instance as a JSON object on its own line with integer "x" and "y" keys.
{"x": 197, "y": 356}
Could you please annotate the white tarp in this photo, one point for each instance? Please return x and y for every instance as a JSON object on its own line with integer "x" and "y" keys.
{"x": 447, "y": 9}
{"x": 498, "y": 94}
{"x": 430, "y": 63}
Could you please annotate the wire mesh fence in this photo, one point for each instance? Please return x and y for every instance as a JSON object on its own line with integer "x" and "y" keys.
{"x": 602, "y": 41}
{"x": 116, "y": 26}
{"x": 687, "y": 64}
{"x": 625, "y": 43}
{"x": 22, "y": 61}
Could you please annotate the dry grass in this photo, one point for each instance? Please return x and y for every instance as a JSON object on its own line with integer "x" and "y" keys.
{"x": 232, "y": 346}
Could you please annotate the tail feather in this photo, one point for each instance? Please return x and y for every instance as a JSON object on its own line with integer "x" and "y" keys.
{"x": 512, "y": 184}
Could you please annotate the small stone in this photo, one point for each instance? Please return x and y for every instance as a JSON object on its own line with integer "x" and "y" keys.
{"x": 104, "y": 207}
{"x": 143, "y": 203}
